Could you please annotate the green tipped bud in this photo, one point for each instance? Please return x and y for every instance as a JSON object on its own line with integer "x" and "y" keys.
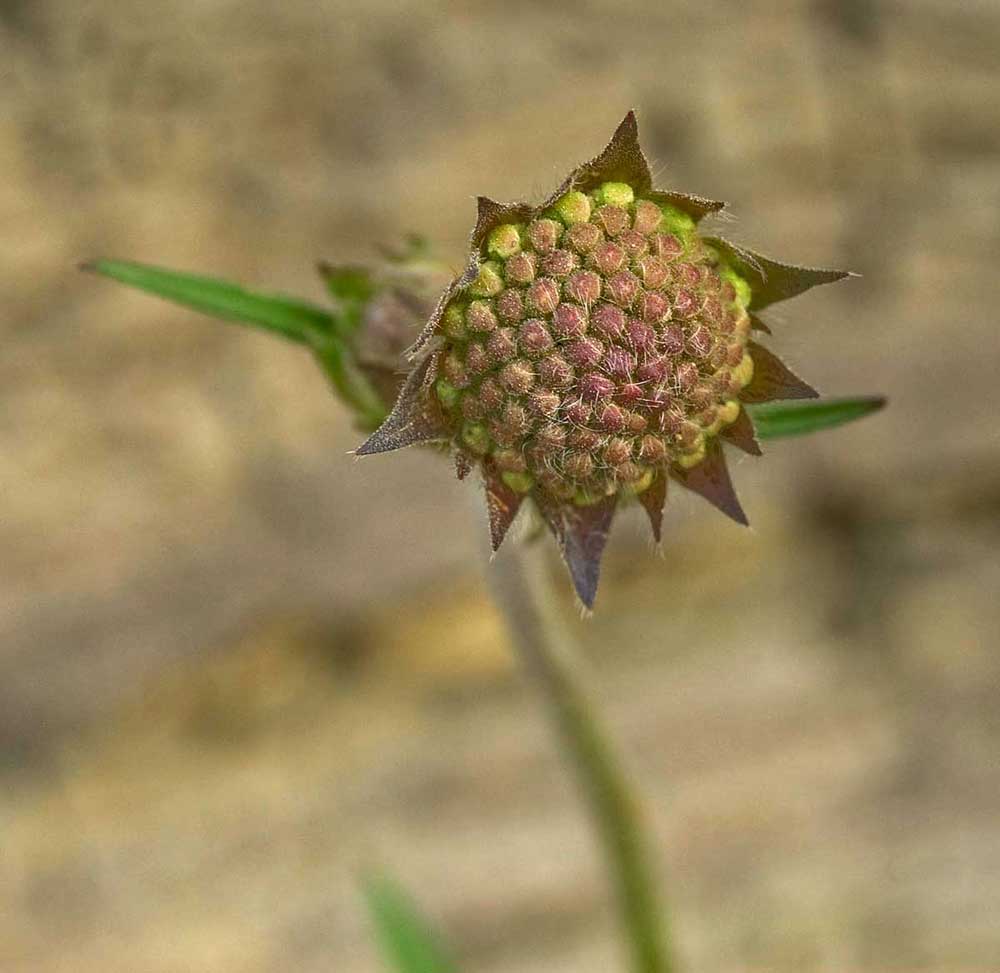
{"x": 643, "y": 483}
{"x": 743, "y": 372}
{"x": 446, "y": 392}
{"x": 504, "y": 241}
{"x": 729, "y": 412}
{"x": 518, "y": 482}
{"x": 489, "y": 281}
{"x": 574, "y": 207}
{"x": 676, "y": 221}
{"x": 742, "y": 288}
{"x": 476, "y": 437}
{"x": 692, "y": 457}
{"x": 616, "y": 194}
{"x": 453, "y": 322}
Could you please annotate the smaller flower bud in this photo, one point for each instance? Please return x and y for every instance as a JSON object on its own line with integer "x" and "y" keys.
{"x": 608, "y": 320}
{"x": 652, "y": 449}
{"x": 608, "y": 257}
{"x": 635, "y": 244}
{"x": 544, "y": 235}
{"x": 585, "y": 353}
{"x": 618, "y": 450}
{"x": 477, "y": 360}
{"x": 594, "y": 386}
{"x": 504, "y": 241}
{"x": 555, "y": 372}
{"x": 584, "y": 287}
{"x": 502, "y": 345}
{"x": 744, "y": 371}
{"x": 510, "y": 305}
{"x": 453, "y": 322}
{"x": 446, "y": 392}
{"x": 479, "y": 317}
{"x": 583, "y": 237}
{"x": 543, "y": 296}
{"x": 641, "y": 335}
{"x": 623, "y": 288}
{"x": 518, "y": 376}
{"x": 612, "y": 219}
{"x": 491, "y": 395}
{"x": 560, "y": 263}
{"x": 667, "y": 246}
{"x": 520, "y": 269}
{"x": 615, "y": 194}
{"x": 534, "y": 338}
{"x": 545, "y": 402}
{"x": 647, "y": 217}
{"x": 574, "y": 207}
{"x": 612, "y": 417}
{"x": 578, "y": 413}
{"x": 488, "y": 282}
{"x": 569, "y": 321}
{"x": 654, "y": 271}
{"x": 729, "y": 412}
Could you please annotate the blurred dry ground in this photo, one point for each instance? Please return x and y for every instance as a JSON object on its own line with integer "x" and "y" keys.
{"x": 235, "y": 665}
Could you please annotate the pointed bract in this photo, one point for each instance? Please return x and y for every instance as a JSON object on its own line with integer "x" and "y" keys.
{"x": 710, "y": 479}
{"x": 771, "y": 280}
{"x": 582, "y": 533}
{"x": 756, "y": 324}
{"x": 697, "y": 207}
{"x": 742, "y": 435}
{"x": 490, "y": 214}
{"x": 621, "y": 160}
{"x": 502, "y": 505}
{"x": 414, "y": 418}
{"x": 653, "y": 499}
{"x": 773, "y": 379}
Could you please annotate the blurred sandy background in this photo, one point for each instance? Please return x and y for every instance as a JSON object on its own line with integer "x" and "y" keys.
{"x": 236, "y": 666}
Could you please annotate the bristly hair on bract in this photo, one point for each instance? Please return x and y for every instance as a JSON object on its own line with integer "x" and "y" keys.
{"x": 595, "y": 347}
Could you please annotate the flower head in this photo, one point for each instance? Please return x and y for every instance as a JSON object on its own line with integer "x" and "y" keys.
{"x": 595, "y": 347}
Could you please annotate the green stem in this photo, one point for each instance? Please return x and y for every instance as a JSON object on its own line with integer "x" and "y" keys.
{"x": 522, "y": 590}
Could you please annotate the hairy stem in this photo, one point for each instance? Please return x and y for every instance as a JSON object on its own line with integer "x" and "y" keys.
{"x": 522, "y": 590}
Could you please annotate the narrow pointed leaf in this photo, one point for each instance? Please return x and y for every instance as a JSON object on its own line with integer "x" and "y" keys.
{"x": 773, "y": 379}
{"x": 582, "y": 533}
{"x": 776, "y": 420}
{"x": 502, "y": 505}
{"x": 413, "y": 419}
{"x": 771, "y": 280}
{"x": 710, "y": 479}
{"x": 407, "y": 941}
{"x": 653, "y": 499}
{"x": 287, "y": 316}
{"x": 742, "y": 435}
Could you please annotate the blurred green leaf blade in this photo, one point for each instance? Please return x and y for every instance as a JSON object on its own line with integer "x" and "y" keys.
{"x": 408, "y": 943}
{"x": 776, "y": 420}
{"x": 287, "y": 316}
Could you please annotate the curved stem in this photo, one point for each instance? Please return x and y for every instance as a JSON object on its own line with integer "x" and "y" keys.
{"x": 522, "y": 590}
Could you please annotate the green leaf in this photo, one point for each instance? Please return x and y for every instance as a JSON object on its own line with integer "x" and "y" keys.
{"x": 287, "y": 316}
{"x": 775, "y": 420}
{"x": 352, "y": 288}
{"x": 408, "y": 943}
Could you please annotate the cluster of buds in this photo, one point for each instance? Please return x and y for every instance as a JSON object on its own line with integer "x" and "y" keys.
{"x": 596, "y": 346}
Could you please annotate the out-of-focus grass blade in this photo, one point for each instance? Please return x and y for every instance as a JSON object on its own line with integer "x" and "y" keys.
{"x": 408, "y": 943}
{"x": 775, "y": 420}
{"x": 287, "y": 316}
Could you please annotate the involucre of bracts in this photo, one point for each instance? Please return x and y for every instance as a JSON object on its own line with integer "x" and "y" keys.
{"x": 595, "y": 347}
